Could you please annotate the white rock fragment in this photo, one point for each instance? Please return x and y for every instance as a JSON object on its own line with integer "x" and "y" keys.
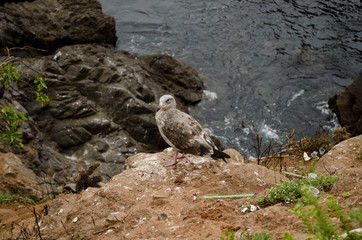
{"x": 244, "y": 209}
{"x": 57, "y": 56}
{"x": 75, "y": 219}
{"x": 60, "y": 211}
{"x": 253, "y": 208}
{"x": 357, "y": 230}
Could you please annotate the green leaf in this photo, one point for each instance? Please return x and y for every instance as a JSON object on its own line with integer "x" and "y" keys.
{"x": 10, "y": 135}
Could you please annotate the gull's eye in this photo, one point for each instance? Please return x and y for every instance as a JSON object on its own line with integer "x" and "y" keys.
{"x": 168, "y": 100}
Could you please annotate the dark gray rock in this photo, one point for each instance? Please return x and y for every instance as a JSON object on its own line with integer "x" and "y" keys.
{"x": 103, "y": 103}
{"x": 348, "y": 106}
{"x": 13, "y": 1}
{"x": 68, "y": 136}
{"x": 48, "y": 24}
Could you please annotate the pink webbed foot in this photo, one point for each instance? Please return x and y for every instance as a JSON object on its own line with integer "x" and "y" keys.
{"x": 172, "y": 161}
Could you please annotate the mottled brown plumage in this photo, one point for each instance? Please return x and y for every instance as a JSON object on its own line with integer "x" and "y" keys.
{"x": 183, "y": 132}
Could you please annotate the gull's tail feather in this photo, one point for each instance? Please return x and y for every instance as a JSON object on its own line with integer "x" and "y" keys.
{"x": 218, "y": 154}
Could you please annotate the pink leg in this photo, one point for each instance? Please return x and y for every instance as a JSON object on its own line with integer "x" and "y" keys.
{"x": 173, "y": 160}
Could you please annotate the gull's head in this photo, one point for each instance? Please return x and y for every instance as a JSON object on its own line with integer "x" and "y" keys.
{"x": 166, "y": 102}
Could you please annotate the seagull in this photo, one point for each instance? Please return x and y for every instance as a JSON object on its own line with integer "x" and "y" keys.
{"x": 183, "y": 133}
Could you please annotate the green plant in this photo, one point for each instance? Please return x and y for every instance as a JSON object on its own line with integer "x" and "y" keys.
{"x": 9, "y": 198}
{"x": 230, "y": 235}
{"x": 316, "y": 219}
{"x": 291, "y": 191}
{"x": 4, "y": 197}
{"x": 9, "y": 132}
{"x": 9, "y": 74}
{"x": 287, "y": 235}
{"x": 10, "y": 120}
{"x": 41, "y": 97}
{"x": 323, "y": 182}
{"x": 360, "y": 155}
{"x": 346, "y": 194}
{"x": 311, "y": 168}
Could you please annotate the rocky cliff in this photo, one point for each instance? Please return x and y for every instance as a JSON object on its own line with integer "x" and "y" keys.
{"x": 44, "y": 25}
{"x": 348, "y": 106}
{"x": 102, "y": 100}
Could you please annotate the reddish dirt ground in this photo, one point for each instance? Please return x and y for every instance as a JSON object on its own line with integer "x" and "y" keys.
{"x": 148, "y": 201}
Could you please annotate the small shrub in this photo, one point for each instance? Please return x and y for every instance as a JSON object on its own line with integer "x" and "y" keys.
{"x": 321, "y": 139}
{"x": 230, "y": 235}
{"x": 9, "y": 74}
{"x": 291, "y": 191}
{"x": 340, "y": 134}
{"x": 316, "y": 219}
{"x": 360, "y": 155}
{"x": 11, "y": 121}
{"x": 41, "y": 97}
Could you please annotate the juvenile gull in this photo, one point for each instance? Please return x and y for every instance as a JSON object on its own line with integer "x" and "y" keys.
{"x": 183, "y": 132}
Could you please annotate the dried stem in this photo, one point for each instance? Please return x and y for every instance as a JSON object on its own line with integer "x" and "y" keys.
{"x": 70, "y": 236}
{"x": 37, "y": 223}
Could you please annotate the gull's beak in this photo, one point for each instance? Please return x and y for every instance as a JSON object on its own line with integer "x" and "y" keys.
{"x": 158, "y": 109}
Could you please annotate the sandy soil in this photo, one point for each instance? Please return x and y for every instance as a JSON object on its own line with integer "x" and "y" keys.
{"x": 148, "y": 201}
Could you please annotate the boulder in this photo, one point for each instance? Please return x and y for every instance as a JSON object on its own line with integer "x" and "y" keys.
{"x": 100, "y": 95}
{"x": 348, "y": 106}
{"x": 342, "y": 161}
{"x": 102, "y": 100}
{"x": 2, "y": 3}
{"x": 45, "y": 25}
{"x": 15, "y": 178}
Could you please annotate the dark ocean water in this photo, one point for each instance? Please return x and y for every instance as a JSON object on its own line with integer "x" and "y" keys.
{"x": 269, "y": 66}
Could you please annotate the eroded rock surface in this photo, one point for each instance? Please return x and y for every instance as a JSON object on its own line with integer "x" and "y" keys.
{"x": 49, "y": 24}
{"x": 15, "y": 178}
{"x": 102, "y": 101}
{"x": 149, "y": 201}
{"x": 102, "y": 107}
{"x": 348, "y": 106}
{"x": 342, "y": 161}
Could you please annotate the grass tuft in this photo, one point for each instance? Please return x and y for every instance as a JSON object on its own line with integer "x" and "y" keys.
{"x": 9, "y": 198}
{"x": 230, "y": 235}
{"x": 291, "y": 191}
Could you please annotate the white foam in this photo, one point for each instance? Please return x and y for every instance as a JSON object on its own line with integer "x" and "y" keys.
{"x": 210, "y": 96}
{"x": 269, "y": 132}
{"x": 246, "y": 130}
{"x": 323, "y": 107}
{"x": 295, "y": 96}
